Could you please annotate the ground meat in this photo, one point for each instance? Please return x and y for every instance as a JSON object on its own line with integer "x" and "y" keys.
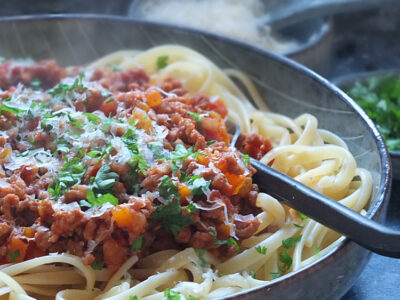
{"x": 76, "y": 204}
{"x": 254, "y": 145}
{"x": 66, "y": 222}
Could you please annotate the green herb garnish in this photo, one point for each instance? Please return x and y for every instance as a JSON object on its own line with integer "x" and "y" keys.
{"x": 162, "y": 61}
{"x": 291, "y": 242}
{"x": 380, "y": 98}
{"x": 171, "y": 217}
{"x": 137, "y": 244}
{"x": 261, "y": 250}
{"x": 230, "y": 242}
{"x": 13, "y": 256}
{"x": 92, "y": 200}
{"x": 97, "y": 265}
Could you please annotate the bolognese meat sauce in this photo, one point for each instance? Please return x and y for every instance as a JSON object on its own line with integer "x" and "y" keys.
{"x": 104, "y": 164}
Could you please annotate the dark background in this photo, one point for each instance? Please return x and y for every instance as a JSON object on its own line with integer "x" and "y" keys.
{"x": 366, "y": 41}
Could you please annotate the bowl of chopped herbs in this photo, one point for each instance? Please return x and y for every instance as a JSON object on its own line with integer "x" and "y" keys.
{"x": 378, "y": 93}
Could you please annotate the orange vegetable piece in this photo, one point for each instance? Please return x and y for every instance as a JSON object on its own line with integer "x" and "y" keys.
{"x": 4, "y": 152}
{"x": 153, "y": 98}
{"x": 130, "y": 219}
{"x": 224, "y": 231}
{"x": 202, "y": 159}
{"x": 236, "y": 181}
{"x": 184, "y": 191}
{"x": 17, "y": 244}
{"x": 29, "y": 232}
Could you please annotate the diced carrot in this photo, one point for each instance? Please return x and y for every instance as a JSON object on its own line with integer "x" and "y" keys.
{"x": 130, "y": 219}
{"x": 224, "y": 231}
{"x": 17, "y": 245}
{"x": 219, "y": 107}
{"x": 109, "y": 107}
{"x": 4, "y": 152}
{"x": 202, "y": 159}
{"x": 236, "y": 181}
{"x": 153, "y": 98}
{"x": 184, "y": 191}
{"x": 142, "y": 120}
{"x": 29, "y": 232}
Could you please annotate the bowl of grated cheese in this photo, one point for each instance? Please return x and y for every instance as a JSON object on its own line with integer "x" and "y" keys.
{"x": 307, "y": 42}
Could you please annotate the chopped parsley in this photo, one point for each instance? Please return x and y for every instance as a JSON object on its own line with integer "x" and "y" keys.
{"x": 230, "y": 242}
{"x": 70, "y": 174}
{"x": 162, "y": 61}
{"x": 104, "y": 180}
{"x": 253, "y": 274}
{"x": 317, "y": 250}
{"x": 9, "y": 109}
{"x": 291, "y": 242}
{"x": 209, "y": 143}
{"x": 179, "y": 155}
{"x": 111, "y": 100}
{"x": 172, "y": 295}
{"x": 302, "y": 216}
{"x": 168, "y": 189}
{"x": 134, "y": 297}
{"x": 200, "y": 253}
{"x": 63, "y": 89}
{"x": 156, "y": 148}
{"x": 198, "y": 185}
{"x": 74, "y": 122}
{"x": 261, "y": 250}
{"x": 246, "y": 159}
{"x": 379, "y": 96}
{"x": 13, "y": 256}
{"x": 36, "y": 84}
{"x": 298, "y": 225}
{"x": 92, "y": 118}
{"x": 191, "y": 208}
{"x": 286, "y": 259}
{"x": 171, "y": 217}
{"x": 275, "y": 275}
{"x": 45, "y": 126}
{"x": 92, "y": 200}
{"x": 137, "y": 244}
{"x": 196, "y": 117}
{"x": 63, "y": 146}
{"x": 192, "y": 297}
{"x": 97, "y": 265}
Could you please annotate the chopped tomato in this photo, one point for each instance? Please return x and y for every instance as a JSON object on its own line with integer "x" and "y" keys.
{"x": 219, "y": 107}
{"x": 214, "y": 128}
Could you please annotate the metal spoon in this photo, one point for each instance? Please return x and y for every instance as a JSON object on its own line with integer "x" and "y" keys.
{"x": 363, "y": 231}
{"x": 282, "y": 13}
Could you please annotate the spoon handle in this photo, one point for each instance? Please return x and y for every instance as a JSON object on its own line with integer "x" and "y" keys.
{"x": 288, "y": 12}
{"x": 364, "y": 231}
